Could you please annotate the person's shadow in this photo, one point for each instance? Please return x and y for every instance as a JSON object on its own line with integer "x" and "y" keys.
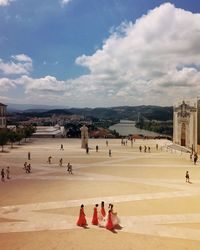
{"x": 117, "y": 227}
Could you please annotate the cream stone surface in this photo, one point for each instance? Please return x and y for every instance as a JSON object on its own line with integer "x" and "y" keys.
{"x": 156, "y": 207}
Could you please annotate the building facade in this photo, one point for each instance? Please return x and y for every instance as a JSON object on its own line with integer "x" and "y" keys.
{"x": 2, "y": 115}
{"x": 186, "y": 124}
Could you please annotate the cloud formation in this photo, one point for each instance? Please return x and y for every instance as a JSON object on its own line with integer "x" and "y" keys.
{"x": 6, "y": 84}
{"x": 20, "y": 64}
{"x": 5, "y": 2}
{"x": 48, "y": 84}
{"x": 65, "y": 2}
{"x": 152, "y": 61}
{"x": 142, "y": 61}
{"x": 22, "y": 58}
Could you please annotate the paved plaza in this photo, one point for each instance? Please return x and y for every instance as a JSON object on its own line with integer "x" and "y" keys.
{"x": 156, "y": 207}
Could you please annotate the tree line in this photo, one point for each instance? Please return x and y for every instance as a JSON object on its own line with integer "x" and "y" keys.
{"x": 17, "y": 135}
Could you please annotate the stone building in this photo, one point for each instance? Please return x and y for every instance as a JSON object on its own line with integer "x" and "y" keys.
{"x": 50, "y": 131}
{"x": 2, "y": 115}
{"x": 186, "y": 124}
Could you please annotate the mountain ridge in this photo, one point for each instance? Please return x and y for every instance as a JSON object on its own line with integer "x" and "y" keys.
{"x": 149, "y": 112}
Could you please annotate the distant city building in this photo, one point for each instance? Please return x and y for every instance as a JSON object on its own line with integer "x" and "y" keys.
{"x": 2, "y": 115}
{"x": 50, "y": 131}
{"x": 186, "y": 124}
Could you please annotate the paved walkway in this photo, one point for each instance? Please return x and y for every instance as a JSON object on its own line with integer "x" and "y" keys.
{"x": 34, "y": 217}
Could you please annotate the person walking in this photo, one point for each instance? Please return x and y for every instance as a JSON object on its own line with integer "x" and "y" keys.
{"x": 49, "y": 159}
{"x": 69, "y": 168}
{"x": 191, "y": 156}
{"x": 29, "y": 156}
{"x": 8, "y": 173}
{"x": 109, "y": 224}
{"x": 2, "y": 175}
{"x": 81, "y": 220}
{"x": 28, "y": 168}
{"x": 103, "y": 212}
{"x": 102, "y": 215}
{"x": 187, "y": 177}
{"x": 95, "y": 220}
{"x": 60, "y": 162}
{"x": 195, "y": 158}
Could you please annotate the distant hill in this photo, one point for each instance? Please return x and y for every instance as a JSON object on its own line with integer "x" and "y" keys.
{"x": 113, "y": 113}
{"x": 31, "y": 107}
{"x": 127, "y": 112}
{"x": 57, "y": 112}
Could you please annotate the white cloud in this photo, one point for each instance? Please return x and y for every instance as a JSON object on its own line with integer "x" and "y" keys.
{"x": 142, "y": 61}
{"x": 22, "y": 58}
{"x": 65, "y": 2}
{"x": 47, "y": 85}
{"x": 6, "y": 84}
{"x": 20, "y": 64}
{"x": 152, "y": 61}
{"x": 5, "y": 2}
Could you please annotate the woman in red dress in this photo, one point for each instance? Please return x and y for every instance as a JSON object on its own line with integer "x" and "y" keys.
{"x": 109, "y": 224}
{"x": 95, "y": 220}
{"x": 114, "y": 217}
{"x": 81, "y": 220}
{"x": 103, "y": 212}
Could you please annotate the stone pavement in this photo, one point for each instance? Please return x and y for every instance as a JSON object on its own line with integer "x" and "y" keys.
{"x": 34, "y": 217}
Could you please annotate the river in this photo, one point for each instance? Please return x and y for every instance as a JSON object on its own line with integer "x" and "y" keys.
{"x": 127, "y": 127}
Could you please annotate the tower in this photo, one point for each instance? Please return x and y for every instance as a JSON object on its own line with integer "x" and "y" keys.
{"x": 186, "y": 124}
{"x": 84, "y": 136}
{"x": 2, "y": 115}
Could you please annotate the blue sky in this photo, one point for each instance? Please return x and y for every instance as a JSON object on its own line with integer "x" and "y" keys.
{"x": 89, "y": 53}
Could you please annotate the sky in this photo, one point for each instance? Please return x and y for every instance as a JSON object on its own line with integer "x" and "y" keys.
{"x": 99, "y": 53}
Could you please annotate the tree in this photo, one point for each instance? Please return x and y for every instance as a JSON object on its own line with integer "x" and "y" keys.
{"x": 28, "y": 131}
{"x": 13, "y": 137}
{"x": 19, "y": 134}
{"x": 3, "y": 137}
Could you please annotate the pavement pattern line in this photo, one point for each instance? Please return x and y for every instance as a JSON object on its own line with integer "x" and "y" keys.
{"x": 34, "y": 217}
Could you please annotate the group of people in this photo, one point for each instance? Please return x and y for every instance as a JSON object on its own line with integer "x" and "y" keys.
{"x": 97, "y": 149}
{"x": 124, "y": 142}
{"x": 27, "y": 167}
{"x": 69, "y": 165}
{"x": 5, "y": 174}
{"x": 100, "y": 218}
{"x": 145, "y": 149}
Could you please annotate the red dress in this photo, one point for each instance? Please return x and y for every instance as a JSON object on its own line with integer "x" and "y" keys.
{"x": 103, "y": 212}
{"x": 95, "y": 217}
{"x": 81, "y": 220}
{"x": 109, "y": 224}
